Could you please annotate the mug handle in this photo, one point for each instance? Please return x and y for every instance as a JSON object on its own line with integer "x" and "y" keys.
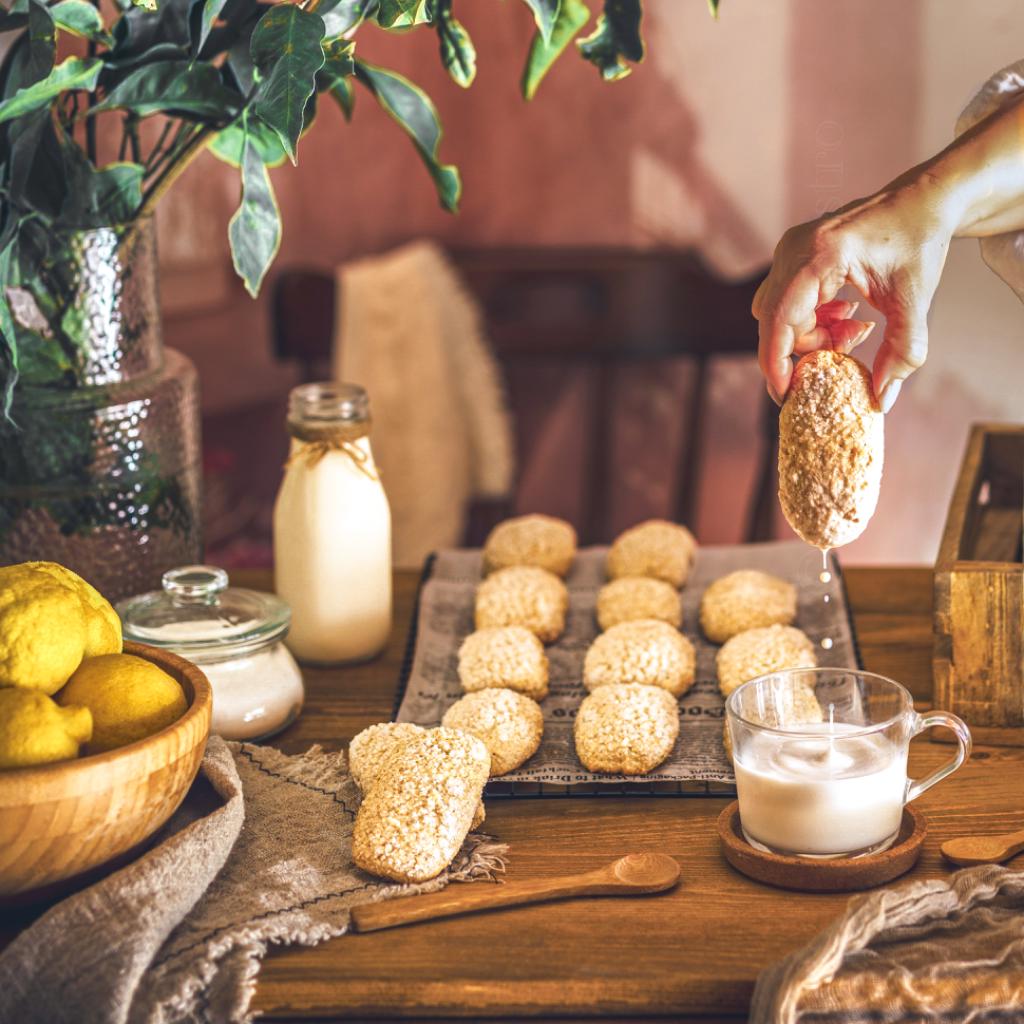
{"x": 963, "y": 740}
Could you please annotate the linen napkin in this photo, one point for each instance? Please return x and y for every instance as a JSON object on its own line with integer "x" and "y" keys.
{"x": 943, "y": 950}
{"x": 259, "y": 853}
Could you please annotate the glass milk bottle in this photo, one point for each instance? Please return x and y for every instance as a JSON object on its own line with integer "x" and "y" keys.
{"x": 332, "y": 529}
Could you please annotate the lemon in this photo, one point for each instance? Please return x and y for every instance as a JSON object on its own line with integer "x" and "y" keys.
{"x": 129, "y": 698}
{"x": 34, "y": 730}
{"x": 49, "y": 620}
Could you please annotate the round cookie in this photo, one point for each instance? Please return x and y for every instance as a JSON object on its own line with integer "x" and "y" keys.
{"x": 758, "y": 652}
{"x": 638, "y": 597}
{"x": 509, "y": 724}
{"x": 507, "y": 657}
{"x": 369, "y": 749}
{"x": 745, "y": 599}
{"x": 655, "y": 548}
{"x": 626, "y": 728}
{"x": 645, "y": 651}
{"x": 802, "y": 708}
{"x": 539, "y": 540}
{"x": 523, "y": 595}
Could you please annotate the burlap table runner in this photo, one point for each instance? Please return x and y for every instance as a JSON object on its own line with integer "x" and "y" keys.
{"x": 945, "y": 951}
{"x": 259, "y": 853}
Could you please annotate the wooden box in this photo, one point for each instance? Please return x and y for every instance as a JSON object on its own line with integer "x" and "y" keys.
{"x": 979, "y": 589}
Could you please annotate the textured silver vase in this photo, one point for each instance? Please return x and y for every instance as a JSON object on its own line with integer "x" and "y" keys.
{"x": 101, "y": 469}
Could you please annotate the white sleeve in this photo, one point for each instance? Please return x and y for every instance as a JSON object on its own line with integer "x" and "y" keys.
{"x": 1003, "y": 253}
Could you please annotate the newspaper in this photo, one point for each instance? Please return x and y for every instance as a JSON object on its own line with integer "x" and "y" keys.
{"x": 446, "y": 617}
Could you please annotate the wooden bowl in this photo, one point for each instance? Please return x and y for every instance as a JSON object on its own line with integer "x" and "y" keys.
{"x": 61, "y": 820}
{"x": 808, "y": 875}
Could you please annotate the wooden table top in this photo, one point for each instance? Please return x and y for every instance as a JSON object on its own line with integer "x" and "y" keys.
{"x": 693, "y": 953}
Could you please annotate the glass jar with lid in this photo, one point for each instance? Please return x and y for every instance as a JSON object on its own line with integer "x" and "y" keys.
{"x": 235, "y": 636}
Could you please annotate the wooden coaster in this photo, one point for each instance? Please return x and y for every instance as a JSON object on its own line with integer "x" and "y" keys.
{"x": 822, "y": 875}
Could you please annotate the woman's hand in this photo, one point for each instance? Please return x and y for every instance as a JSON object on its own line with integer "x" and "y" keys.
{"x": 891, "y": 247}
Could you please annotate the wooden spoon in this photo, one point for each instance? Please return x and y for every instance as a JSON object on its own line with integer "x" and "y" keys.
{"x": 967, "y": 850}
{"x": 633, "y": 875}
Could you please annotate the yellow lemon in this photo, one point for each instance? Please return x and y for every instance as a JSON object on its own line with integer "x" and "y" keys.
{"x": 129, "y": 698}
{"x": 34, "y": 730}
{"x": 49, "y": 620}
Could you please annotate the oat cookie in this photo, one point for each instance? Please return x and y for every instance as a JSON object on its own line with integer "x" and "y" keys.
{"x": 508, "y": 657}
{"x": 543, "y": 541}
{"x": 744, "y": 600}
{"x": 369, "y": 749}
{"x": 800, "y": 708}
{"x": 523, "y": 595}
{"x": 418, "y": 811}
{"x": 758, "y": 652}
{"x": 655, "y": 548}
{"x": 638, "y": 597}
{"x": 625, "y": 728}
{"x": 645, "y": 651}
{"x": 831, "y": 449}
{"x": 510, "y": 724}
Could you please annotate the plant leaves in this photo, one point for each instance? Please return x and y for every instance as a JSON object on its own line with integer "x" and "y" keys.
{"x": 286, "y": 50}
{"x": 229, "y": 144}
{"x": 146, "y": 5}
{"x": 42, "y": 43}
{"x": 211, "y": 12}
{"x": 341, "y": 16}
{"x": 36, "y": 178}
{"x": 545, "y": 13}
{"x": 457, "y": 52}
{"x": 98, "y": 197}
{"x": 11, "y": 20}
{"x": 713, "y": 7}
{"x": 80, "y": 18}
{"x": 141, "y": 36}
{"x": 574, "y": 14}
{"x": 73, "y": 73}
{"x": 413, "y": 110}
{"x": 617, "y": 36}
{"x": 402, "y": 13}
{"x": 255, "y": 229}
{"x": 8, "y": 337}
{"x": 174, "y": 86}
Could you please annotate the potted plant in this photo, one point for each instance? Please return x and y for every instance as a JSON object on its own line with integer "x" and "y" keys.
{"x": 99, "y": 116}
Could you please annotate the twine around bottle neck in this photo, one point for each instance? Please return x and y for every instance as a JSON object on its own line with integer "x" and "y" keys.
{"x": 317, "y": 441}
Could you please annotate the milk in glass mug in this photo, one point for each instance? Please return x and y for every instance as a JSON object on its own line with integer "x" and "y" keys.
{"x": 821, "y": 760}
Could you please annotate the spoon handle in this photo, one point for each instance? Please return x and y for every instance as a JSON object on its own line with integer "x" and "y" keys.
{"x": 465, "y": 899}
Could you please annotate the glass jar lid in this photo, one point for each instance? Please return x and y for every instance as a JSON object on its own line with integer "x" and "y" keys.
{"x": 199, "y": 616}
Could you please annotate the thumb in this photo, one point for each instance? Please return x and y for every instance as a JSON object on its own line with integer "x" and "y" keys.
{"x": 903, "y": 350}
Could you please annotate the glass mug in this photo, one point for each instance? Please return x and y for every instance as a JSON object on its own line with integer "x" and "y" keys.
{"x": 821, "y": 760}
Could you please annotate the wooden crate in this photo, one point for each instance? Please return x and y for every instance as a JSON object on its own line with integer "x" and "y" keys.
{"x": 979, "y": 589}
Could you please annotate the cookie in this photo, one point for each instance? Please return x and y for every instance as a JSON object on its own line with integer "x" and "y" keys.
{"x": 831, "y": 449}
{"x": 370, "y": 748}
{"x": 523, "y": 595}
{"x": 510, "y": 725}
{"x": 744, "y": 600}
{"x": 655, "y": 548}
{"x": 646, "y": 651}
{"x": 638, "y": 597}
{"x": 543, "y": 541}
{"x": 758, "y": 652}
{"x": 626, "y": 728}
{"x": 504, "y": 657}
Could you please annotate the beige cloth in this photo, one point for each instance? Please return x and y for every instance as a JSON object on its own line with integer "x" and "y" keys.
{"x": 259, "y": 853}
{"x": 947, "y": 950}
{"x": 442, "y": 435}
{"x": 1003, "y": 253}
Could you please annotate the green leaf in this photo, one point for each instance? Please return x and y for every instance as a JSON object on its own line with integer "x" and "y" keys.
{"x": 255, "y": 230}
{"x": 146, "y": 5}
{"x": 457, "y": 52}
{"x": 73, "y": 73}
{"x": 36, "y": 178}
{"x": 345, "y": 96}
{"x": 11, "y": 21}
{"x": 80, "y": 18}
{"x": 229, "y": 144}
{"x": 545, "y": 13}
{"x": 342, "y": 16}
{"x": 413, "y": 110}
{"x": 339, "y": 63}
{"x": 141, "y": 36}
{"x": 211, "y": 12}
{"x": 617, "y": 36}
{"x": 98, "y": 197}
{"x": 571, "y": 18}
{"x": 42, "y": 43}
{"x": 286, "y": 50}
{"x": 713, "y": 7}
{"x": 402, "y": 13}
{"x": 174, "y": 86}
{"x": 8, "y": 337}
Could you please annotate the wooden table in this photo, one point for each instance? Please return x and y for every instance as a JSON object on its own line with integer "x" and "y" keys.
{"x": 691, "y": 954}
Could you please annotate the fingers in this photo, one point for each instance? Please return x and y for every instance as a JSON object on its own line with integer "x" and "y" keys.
{"x": 782, "y": 319}
{"x": 837, "y": 309}
{"x": 903, "y": 351}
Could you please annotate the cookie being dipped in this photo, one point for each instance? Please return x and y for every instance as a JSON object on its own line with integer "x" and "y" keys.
{"x": 831, "y": 445}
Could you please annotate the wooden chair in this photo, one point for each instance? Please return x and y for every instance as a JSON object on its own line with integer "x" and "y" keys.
{"x": 589, "y": 310}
